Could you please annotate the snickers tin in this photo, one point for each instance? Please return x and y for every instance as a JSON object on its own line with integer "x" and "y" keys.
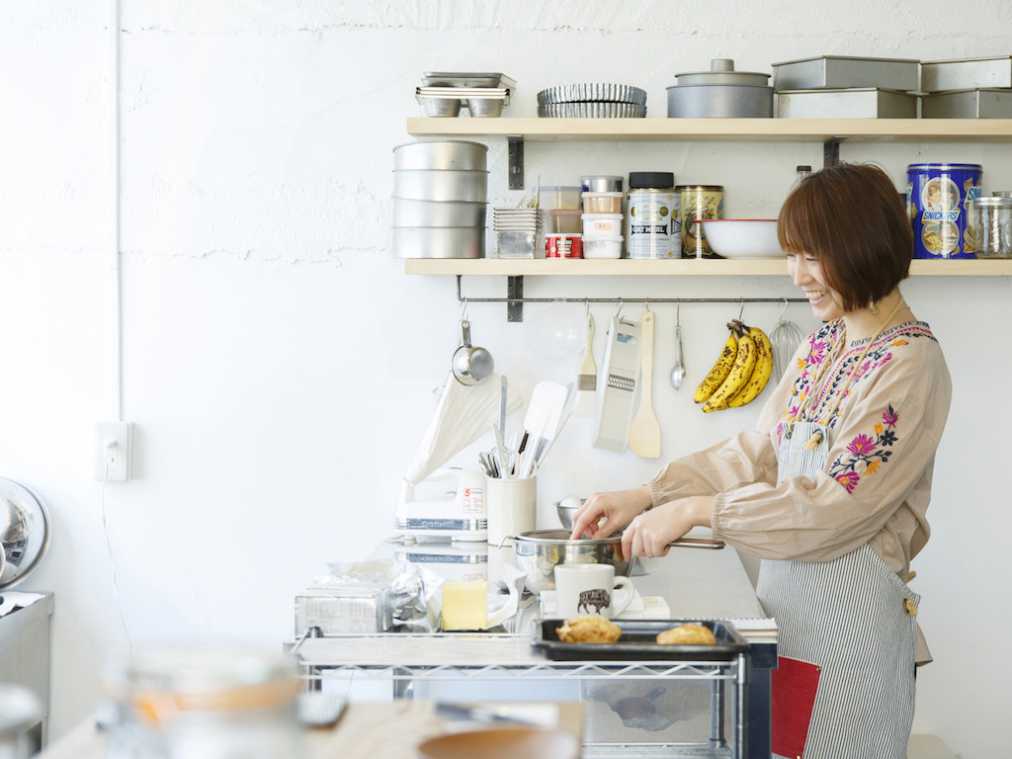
{"x": 940, "y": 204}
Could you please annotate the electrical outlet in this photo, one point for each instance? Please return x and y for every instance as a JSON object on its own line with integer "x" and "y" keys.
{"x": 112, "y": 451}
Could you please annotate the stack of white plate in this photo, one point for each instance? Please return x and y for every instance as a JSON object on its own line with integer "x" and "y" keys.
{"x": 439, "y": 199}
{"x": 517, "y": 231}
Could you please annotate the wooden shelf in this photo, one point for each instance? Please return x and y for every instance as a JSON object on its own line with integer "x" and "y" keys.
{"x": 802, "y": 130}
{"x": 764, "y": 267}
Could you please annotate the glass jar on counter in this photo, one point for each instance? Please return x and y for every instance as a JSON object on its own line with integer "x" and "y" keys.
{"x": 205, "y": 704}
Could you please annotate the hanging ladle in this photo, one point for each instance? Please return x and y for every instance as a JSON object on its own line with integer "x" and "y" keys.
{"x": 470, "y": 364}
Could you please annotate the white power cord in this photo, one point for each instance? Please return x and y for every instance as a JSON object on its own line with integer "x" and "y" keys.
{"x": 117, "y": 598}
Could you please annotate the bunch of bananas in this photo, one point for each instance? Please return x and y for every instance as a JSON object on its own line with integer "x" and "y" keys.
{"x": 741, "y": 371}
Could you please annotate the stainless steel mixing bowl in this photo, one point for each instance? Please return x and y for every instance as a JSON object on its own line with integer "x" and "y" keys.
{"x": 540, "y": 551}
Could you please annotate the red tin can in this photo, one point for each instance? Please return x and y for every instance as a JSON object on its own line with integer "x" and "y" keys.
{"x": 567, "y": 245}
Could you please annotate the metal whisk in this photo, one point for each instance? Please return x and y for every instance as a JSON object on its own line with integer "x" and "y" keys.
{"x": 786, "y": 337}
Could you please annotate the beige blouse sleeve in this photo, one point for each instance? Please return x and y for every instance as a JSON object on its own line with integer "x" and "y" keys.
{"x": 745, "y": 458}
{"x": 881, "y": 447}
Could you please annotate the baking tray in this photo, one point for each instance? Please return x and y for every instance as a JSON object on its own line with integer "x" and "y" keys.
{"x": 860, "y": 103}
{"x": 841, "y": 71}
{"x": 467, "y": 79}
{"x": 590, "y": 92}
{"x": 638, "y": 642}
{"x": 968, "y": 104}
{"x": 966, "y": 74}
{"x": 592, "y": 110}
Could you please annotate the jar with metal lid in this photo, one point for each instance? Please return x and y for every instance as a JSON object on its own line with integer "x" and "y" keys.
{"x": 992, "y": 225}
{"x": 652, "y": 218}
{"x": 697, "y": 202}
{"x": 206, "y": 704}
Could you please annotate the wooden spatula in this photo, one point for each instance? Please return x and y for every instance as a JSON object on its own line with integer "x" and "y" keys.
{"x": 645, "y": 430}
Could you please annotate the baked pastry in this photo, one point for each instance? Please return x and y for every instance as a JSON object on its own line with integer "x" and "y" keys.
{"x": 588, "y": 630}
{"x": 687, "y": 635}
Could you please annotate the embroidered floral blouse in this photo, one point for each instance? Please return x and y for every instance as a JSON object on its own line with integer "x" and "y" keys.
{"x": 877, "y": 482}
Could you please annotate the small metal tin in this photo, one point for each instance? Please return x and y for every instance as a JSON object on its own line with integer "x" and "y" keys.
{"x": 652, "y": 224}
{"x": 844, "y": 72}
{"x": 966, "y": 73}
{"x": 563, "y": 245}
{"x": 600, "y": 183}
{"x": 856, "y": 103}
{"x": 703, "y": 201}
{"x": 968, "y": 104}
{"x": 355, "y": 610}
{"x": 940, "y": 203}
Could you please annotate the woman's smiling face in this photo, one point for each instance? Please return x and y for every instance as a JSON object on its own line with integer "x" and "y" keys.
{"x": 807, "y": 274}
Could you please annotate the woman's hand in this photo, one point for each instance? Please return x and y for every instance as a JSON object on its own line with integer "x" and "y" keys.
{"x": 650, "y": 534}
{"x": 618, "y": 508}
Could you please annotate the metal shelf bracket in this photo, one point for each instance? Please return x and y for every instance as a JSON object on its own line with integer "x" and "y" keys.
{"x": 515, "y": 164}
{"x": 830, "y": 153}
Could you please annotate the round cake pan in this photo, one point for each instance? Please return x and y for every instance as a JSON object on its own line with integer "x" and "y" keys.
{"x": 453, "y": 155}
{"x": 432, "y": 213}
{"x": 439, "y": 242}
{"x": 468, "y": 186}
{"x": 720, "y": 101}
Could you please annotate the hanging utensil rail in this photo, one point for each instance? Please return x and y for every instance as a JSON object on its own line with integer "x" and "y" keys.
{"x": 514, "y": 300}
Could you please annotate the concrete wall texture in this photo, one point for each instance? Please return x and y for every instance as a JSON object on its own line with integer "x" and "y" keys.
{"x": 279, "y": 365}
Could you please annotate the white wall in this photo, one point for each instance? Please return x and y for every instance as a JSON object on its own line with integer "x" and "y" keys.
{"x": 279, "y": 364}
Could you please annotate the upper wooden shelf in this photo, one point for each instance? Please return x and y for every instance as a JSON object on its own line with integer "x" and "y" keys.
{"x": 766, "y": 267}
{"x": 992, "y": 130}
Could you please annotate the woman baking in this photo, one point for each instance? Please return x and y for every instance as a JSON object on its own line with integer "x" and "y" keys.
{"x": 831, "y": 489}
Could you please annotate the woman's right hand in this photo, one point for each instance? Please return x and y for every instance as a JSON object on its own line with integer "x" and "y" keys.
{"x": 619, "y": 508}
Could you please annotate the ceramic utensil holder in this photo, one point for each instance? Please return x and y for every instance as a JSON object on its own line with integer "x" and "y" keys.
{"x": 512, "y": 507}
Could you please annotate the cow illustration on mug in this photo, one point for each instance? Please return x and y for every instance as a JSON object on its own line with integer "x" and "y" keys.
{"x": 599, "y": 598}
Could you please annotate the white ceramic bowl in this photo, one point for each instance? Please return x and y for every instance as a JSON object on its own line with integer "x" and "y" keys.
{"x": 743, "y": 238}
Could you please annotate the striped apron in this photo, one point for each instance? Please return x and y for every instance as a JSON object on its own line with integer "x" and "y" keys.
{"x": 853, "y": 617}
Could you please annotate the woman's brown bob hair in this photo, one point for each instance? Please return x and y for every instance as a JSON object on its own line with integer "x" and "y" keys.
{"x": 850, "y": 217}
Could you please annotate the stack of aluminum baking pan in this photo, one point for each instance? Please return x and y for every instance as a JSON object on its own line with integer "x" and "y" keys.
{"x": 517, "y": 231}
{"x": 440, "y": 189}
{"x": 967, "y": 88}
{"x": 839, "y": 86}
{"x": 483, "y": 94}
{"x": 593, "y": 100}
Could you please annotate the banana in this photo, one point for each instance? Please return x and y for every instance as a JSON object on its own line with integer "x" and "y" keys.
{"x": 744, "y": 363}
{"x": 721, "y": 368}
{"x": 760, "y": 375}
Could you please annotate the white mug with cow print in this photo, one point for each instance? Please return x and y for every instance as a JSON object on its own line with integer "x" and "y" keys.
{"x": 582, "y": 589}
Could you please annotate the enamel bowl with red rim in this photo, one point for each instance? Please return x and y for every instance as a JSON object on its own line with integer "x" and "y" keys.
{"x": 743, "y": 238}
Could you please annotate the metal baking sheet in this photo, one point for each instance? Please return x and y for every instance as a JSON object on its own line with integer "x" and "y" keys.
{"x": 968, "y": 104}
{"x": 966, "y": 74}
{"x": 466, "y": 79}
{"x": 455, "y": 93}
{"x": 638, "y": 642}
{"x": 864, "y": 103}
{"x": 593, "y": 92}
{"x": 842, "y": 72}
{"x": 592, "y": 110}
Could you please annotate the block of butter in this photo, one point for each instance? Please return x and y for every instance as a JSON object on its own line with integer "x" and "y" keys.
{"x": 465, "y": 605}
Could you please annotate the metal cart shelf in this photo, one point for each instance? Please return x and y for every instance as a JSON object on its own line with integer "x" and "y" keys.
{"x": 407, "y": 660}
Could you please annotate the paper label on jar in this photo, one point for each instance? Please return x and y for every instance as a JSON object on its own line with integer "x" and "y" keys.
{"x": 652, "y": 225}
